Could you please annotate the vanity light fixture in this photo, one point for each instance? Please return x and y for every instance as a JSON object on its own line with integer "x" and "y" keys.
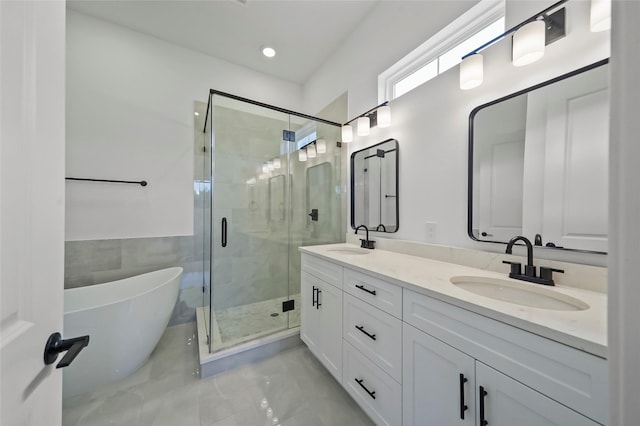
{"x": 379, "y": 116}
{"x": 321, "y": 146}
{"x": 302, "y": 155}
{"x": 529, "y": 41}
{"x": 363, "y": 124}
{"x": 471, "y": 72}
{"x": 347, "y": 133}
{"x": 277, "y": 164}
{"x": 600, "y": 15}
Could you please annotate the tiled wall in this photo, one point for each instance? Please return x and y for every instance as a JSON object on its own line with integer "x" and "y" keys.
{"x": 99, "y": 261}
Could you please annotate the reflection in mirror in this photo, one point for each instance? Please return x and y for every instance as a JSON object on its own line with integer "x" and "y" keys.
{"x": 538, "y": 164}
{"x": 374, "y": 187}
{"x": 319, "y": 197}
{"x": 276, "y": 212}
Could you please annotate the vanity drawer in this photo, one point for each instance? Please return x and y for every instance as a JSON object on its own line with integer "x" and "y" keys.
{"x": 567, "y": 375}
{"x": 376, "y": 334}
{"x": 374, "y": 390}
{"x": 327, "y": 271}
{"x": 377, "y": 292}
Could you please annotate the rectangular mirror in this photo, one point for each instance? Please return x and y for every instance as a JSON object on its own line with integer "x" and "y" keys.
{"x": 538, "y": 163}
{"x": 374, "y": 187}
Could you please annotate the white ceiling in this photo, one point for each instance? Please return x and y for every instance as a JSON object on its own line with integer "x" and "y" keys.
{"x": 304, "y": 32}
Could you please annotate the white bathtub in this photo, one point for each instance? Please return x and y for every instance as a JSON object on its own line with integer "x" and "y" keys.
{"x": 124, "y": 319}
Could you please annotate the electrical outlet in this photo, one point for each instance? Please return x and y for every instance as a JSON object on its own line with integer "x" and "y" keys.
{"x": 430, "y": 232}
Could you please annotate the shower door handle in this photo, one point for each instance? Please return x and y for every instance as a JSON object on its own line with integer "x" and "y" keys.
{"x": 224, "y": 232}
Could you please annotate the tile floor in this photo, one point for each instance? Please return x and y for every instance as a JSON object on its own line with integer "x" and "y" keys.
{"x": 290, "y": 389}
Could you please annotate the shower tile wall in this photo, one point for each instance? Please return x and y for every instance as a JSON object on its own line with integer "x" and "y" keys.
{"x": 99, "y": 261}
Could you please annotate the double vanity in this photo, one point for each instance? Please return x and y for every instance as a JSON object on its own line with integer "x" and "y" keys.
{"x": 416, "y": 341}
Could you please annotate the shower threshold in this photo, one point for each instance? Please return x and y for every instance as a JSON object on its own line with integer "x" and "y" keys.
{"x": 246, "y": 334}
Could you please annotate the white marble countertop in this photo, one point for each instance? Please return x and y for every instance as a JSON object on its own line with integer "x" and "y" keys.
{"x": 585, "y": 329}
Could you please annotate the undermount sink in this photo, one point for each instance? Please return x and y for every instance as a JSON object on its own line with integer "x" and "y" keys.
{"x": 519, "y": 293}
{"x": 348, "y": 251}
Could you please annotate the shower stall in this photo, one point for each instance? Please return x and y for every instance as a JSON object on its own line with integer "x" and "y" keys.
{"x": 268, "y": 181}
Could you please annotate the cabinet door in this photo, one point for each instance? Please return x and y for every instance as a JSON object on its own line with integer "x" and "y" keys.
{"x": 507, "y": 402}
{"x": 329, "y": 299}
{"x": 434, "y": 392}
{"x": 308, "y": 311}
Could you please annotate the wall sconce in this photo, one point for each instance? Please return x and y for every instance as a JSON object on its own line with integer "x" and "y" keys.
{"x": 321, "y": 146}
{"x": 302, "y": 155}
{"x": 600, "y": 15}
{"x": 529, "y": 41}
{"x": 379, "y": 116}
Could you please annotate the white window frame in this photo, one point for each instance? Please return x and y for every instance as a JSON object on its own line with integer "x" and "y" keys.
{"x": 474, "y": 20}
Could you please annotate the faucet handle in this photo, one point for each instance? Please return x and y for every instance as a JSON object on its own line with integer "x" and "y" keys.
{"x": 515, "y": 267}
{"x": 368, "y": 244}
{"x": 546, "y": 272}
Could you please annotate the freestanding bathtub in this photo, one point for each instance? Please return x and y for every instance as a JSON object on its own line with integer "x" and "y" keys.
{"x": 124, "y": 319}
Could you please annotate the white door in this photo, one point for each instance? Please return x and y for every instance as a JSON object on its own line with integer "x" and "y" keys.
{"x": 438, "y": 382}
{"x": 32, "y": 120}
{"x": 507, "y": 402}
{"x": 329, "y": 299}
{"x": 308, "y": 311}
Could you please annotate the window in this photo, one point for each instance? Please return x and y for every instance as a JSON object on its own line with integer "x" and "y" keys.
{"x": 444, "y": 50}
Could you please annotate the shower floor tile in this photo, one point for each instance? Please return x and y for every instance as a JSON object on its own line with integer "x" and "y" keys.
{"x": 289, "y": 389}
{"x": 239, "y": 324}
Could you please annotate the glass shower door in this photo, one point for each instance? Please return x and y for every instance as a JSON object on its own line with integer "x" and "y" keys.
{"x": 250, "y": 223}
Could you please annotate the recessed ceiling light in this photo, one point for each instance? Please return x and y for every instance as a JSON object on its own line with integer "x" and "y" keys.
{"x": 269, "y": 52}
{"x": 196, "y": 113}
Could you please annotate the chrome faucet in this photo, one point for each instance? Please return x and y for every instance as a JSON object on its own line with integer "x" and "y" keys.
{"x": 366, "y": 243}
{"x": 529, "y": 269}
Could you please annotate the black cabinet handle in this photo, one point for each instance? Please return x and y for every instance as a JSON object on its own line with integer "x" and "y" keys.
{"x": 313, "y": 296}
{"x": 463, "y": 407}
{"x": 318, "y": 291}
{"x": 55, "y": 345}
{"x": 483, "y": 393}
{"x": 224, "y": 232}
{"x": 361, "y": 287}
{"x": 361, "y": 328}
{"x": 371, "y": 394}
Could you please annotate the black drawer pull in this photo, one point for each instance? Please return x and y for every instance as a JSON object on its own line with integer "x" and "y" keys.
{"x": 361, "y": 328}
{"x": 318, "y": 291}
{"x": 483, "y": 393}
{"x": 463, "y": 407}
{"x": 361, "y": 287}
{"x": 371, "y": 394}
{"x": 313, "y": 296}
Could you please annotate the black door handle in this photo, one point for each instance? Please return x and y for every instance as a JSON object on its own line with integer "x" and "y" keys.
{"x": 314, "y": 215}
{"x": 318, "y": 304}
{"x": 483, "y": 393}
{"x": 463, "y": 406}
{"x": 313, "y": 296}
{"x": 55, "y": 345}
{"x": 224, "y": 232}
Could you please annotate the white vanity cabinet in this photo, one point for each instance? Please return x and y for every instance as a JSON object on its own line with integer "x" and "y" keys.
{"x": 411, "y": 359}
{"x": 321, "y": 321}
{"x": 529, "y": 380}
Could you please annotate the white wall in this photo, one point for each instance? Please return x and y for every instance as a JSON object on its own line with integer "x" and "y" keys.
{"x": 389, "y": 32}
{"x": 130, "y": 101}
{"x": 431, "y": 125}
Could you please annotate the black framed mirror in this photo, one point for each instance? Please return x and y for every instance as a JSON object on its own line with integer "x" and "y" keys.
{"x": 538, "y": 164}
{"x": 374, "y": 187}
